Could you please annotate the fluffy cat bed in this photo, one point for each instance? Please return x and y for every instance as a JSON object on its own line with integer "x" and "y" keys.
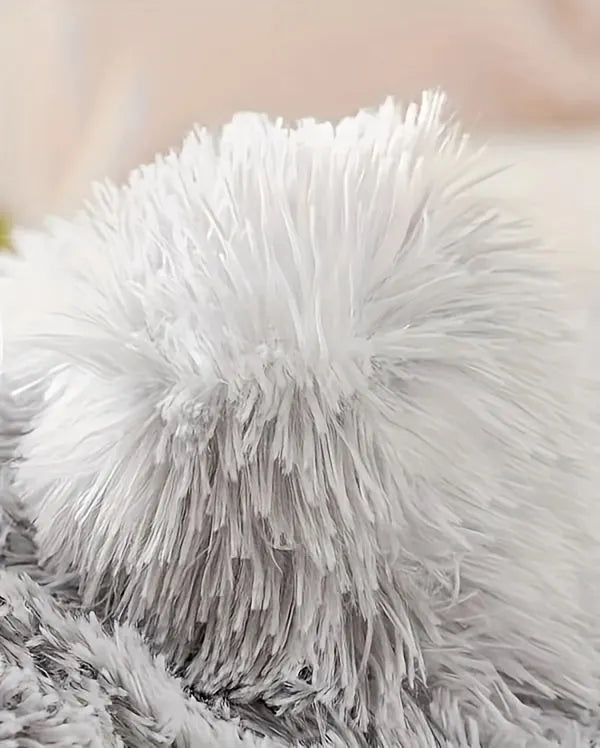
{"x": 294, "y": 452}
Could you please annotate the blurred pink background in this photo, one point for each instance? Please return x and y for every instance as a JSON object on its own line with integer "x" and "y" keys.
{"x": 90, "y": 88}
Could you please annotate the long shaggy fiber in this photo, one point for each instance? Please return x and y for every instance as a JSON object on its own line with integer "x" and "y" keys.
{"x": 295, "y": 451}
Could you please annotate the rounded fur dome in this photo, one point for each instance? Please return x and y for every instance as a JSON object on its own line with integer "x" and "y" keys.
{"x": 301, "y": 405}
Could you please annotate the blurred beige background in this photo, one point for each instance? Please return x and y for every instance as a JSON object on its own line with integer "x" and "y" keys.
{"x": 92, "y": 87}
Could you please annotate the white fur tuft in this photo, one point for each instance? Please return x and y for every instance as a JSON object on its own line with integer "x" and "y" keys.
{"x": 303, "y": 410}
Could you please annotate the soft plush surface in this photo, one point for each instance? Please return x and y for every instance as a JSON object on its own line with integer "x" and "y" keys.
{"x": 295, "y": 453}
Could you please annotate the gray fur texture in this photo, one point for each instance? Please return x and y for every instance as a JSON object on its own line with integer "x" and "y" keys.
{"x": 294, "y": 453}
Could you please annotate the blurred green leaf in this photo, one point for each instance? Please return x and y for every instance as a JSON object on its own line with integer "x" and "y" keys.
{"x": 5, "y": 232}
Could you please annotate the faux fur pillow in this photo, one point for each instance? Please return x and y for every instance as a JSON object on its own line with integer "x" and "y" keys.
{"x": 299, "y": 406}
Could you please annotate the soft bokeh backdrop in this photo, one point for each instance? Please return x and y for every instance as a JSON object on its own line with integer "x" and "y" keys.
{"x": 89, "y": 88}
